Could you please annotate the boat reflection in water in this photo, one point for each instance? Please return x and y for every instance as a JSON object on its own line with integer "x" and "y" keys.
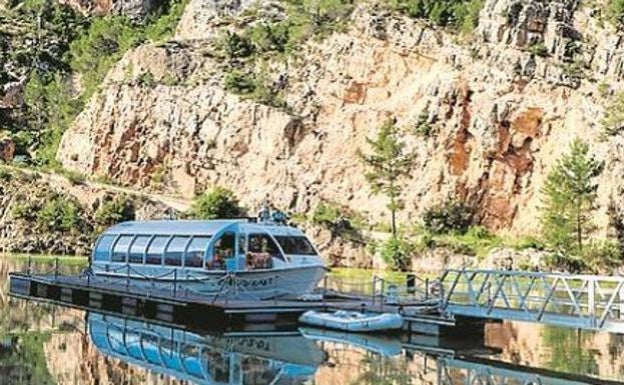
{"x": 206, "y": 359}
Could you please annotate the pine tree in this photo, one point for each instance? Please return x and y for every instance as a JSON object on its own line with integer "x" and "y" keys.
{"x": 389, "y": 164}
{"x": 570, "y": 192}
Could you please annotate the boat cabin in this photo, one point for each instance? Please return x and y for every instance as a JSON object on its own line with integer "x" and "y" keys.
{"x": 219, "y": 245}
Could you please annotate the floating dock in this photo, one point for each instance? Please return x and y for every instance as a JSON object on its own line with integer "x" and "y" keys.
{"x": 181, "y": 306}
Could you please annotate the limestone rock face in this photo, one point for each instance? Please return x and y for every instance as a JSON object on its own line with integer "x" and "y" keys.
{"x": 502, "y": 110}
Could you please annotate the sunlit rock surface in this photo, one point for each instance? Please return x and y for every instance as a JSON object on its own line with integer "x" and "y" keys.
{"x": 500, "y": 114}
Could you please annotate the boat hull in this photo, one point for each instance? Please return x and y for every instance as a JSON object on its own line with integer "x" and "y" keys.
{"x": 255, "y": 284}
{"x": 364, "y": 323}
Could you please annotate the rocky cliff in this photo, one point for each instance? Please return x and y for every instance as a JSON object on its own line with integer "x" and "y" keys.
{"x": 502, "y": 106}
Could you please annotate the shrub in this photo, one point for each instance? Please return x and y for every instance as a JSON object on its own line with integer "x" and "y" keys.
{"x": 146, "y": 79}
{"x": 398, "y": 252}
{"x": 237, "y": 46}
{"x": 451, "y": 216}
{"x": 615, "y": 12}
{"x": 613, "y": 121}
{"x": 119, "y": 209}
{"x": 240, "y": 83}
{"x": 539, "y": 49}
{"x": 423, "y": 127}
{"x": 341, "y": 221}
{"x": 217, "y": 203}
{"x": 460, "y": 14}
{"x": 60, "y": 214}
{"x": 269, "y": 37}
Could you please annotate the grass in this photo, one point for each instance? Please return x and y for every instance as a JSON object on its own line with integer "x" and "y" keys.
{"x": 46, "y": 259}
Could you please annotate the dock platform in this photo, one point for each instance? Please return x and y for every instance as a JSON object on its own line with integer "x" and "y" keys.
{"x": 177, "y": 305}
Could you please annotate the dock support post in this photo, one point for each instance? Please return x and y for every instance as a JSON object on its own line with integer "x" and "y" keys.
{"x": 127, "y": 276}
{"x": 324, "y": 290}
{"x": 29, "y": 271}
{"x": 56, "y": 267}
{"x": 383, "y": 290}
{"x": 426, "y": 289}
{"x": 374, "y": 290}
{"x": 175, "y": 281}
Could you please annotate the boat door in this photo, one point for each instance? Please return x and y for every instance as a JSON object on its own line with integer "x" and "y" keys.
{"x": 241, "y": 254}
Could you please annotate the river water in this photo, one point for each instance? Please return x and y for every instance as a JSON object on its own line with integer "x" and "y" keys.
{"x": 46, "y": 344}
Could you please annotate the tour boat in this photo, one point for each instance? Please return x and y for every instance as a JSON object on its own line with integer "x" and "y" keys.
{"x": 352, "y": 321}
{"x": 255, "y": 258}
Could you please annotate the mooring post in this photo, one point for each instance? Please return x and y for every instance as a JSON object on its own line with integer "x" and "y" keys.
{"x": 56, "y": 267}
{"x": 383, "y": 290}
{"x": 374, "y": 290}
{"x": 29, "y": 264}
{"x": 324, "y": 289}
{"x": 426, "y": 289}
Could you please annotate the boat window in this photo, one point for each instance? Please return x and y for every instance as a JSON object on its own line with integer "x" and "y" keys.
{"x": 224, "y": 248}
{"x": 196, "y": 251}
{"x": 120, "y": 251}
{"x": 175, "y": 251}
{"x": 263, "y": 243}
{"x": 103, "y": 248}
{"x": 137, "y": 250}
{"x": 295, "y": 245}
{"x": 156, "y": 250}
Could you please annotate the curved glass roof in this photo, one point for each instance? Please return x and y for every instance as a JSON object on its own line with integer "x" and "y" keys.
{"x": 168, "y": 227}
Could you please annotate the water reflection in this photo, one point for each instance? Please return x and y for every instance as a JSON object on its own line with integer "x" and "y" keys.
{"x": 206, "y": 359}
{"x": 44, "y": 344}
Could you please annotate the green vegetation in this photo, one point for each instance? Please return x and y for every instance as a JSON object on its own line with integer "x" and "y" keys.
{"x": 216, "y": 204}
{"x": 539, "y": 49}
{"x": 613, "y": 121}
{"x": 423, "y": 127}
{"x": 117, "y": 210}
{"x": 60, "y": 214}
{"x": 450, "y": 216}
{"x": 65, "y": 43}
{"x": 340, "y": 221}
{"x": 255, "y": 87}
{"x": 389, "y": 164}
{"x": 615, "y": 12}
{"x": 398, "y": 252}
{"x": 570, "y": 195}
{"x": 460, "y": 14}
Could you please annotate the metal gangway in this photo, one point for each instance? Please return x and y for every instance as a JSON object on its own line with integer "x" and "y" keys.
{"x": 578, "y": 301}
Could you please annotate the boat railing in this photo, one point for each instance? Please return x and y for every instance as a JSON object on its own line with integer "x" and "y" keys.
{"x": 405, "y": 288}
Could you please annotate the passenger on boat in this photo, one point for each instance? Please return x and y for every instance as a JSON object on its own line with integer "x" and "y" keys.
{"x": 259, "y": 255}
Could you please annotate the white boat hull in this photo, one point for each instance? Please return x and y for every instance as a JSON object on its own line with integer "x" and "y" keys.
{"x": 256, "y": 284}
{"x": 353, "y": 322}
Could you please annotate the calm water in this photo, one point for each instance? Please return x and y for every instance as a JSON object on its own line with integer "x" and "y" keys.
{"x": 45, "y": 344}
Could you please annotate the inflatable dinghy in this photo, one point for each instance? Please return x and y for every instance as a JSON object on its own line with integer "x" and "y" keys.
{"x": 352, "y": 321}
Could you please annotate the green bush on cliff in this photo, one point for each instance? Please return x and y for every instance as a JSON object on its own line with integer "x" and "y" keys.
{"x": 119, "y": 209}
{"x": 67, "y": 42}
{"x": 217, "y": 203}
{"x": 615, "y": 12}
{"x": 613, "y": 121}
{"x": 398, "y": 252}
{"x": 450, "y": 216}
{"x": 340, "y": 221}
{"x": 461, "y": 14}
{"x": 60, "y": 213}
